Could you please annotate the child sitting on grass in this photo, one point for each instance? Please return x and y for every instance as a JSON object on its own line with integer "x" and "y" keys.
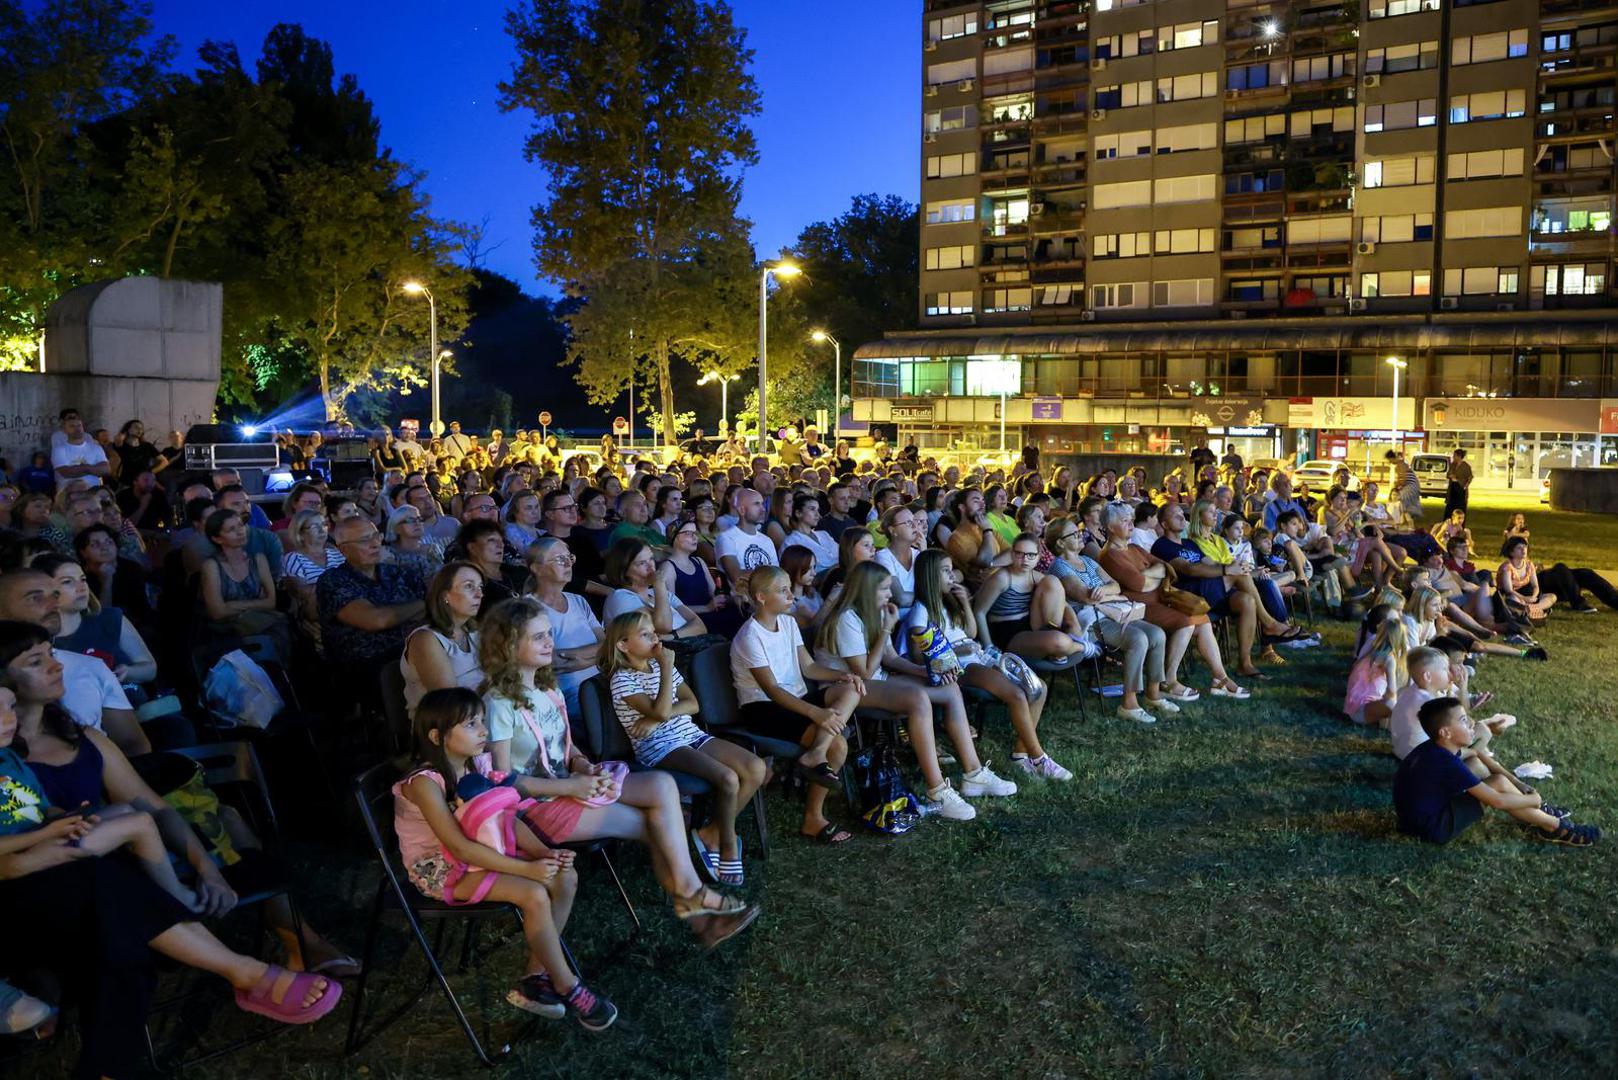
{"x": 1436, "y": 797}
{"x": 444, "y": 864}
{"x": 1377, "y": 677}
{"x": 1431, "y": 677}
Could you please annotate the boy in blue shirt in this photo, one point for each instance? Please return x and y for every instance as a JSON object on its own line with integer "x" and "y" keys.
{"x": 1436, "y": 797}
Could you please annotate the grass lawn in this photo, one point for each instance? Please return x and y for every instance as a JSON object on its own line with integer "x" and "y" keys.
{"x": 1222, "y": 894}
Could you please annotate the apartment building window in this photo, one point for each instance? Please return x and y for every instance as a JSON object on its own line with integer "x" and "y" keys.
{"x": 1119, "y": 46}
{"x": 1059, "y": 295}
{"x": 1130, "y": 193}
{"x": 1172, "y": 140}
{"x": 1253, "y": 238}
{"x": 1483, "y": 48}
{"x": 1397, "y": 283}
{"x": 1336, "y": 229}
{"x": 1124, "y": 144}
{"x": 1481, "y": 164}
{"x": 1308, "y": 123}
{"x": 1185, "y": 292}
{"x": 1416, "y": 56}
{"x": 1487, "y": 105}
{"x": 1388, "y": 9}
{"x": 1011, "y": 110}
{"x": 952, "y": 26}
{"x": 1108, "y": 5}
{"x": 1315, "y": 68}
{"x": 1487, "y": 221}
{"x": 1124, "y": 95}
{"x": 1248, "y": 290}
{"x": 1573, "y": 157}
{"x": 955, "y": 118}
{"x": 1480, "y": 280}
{"x": 1124, "y": 294}
{"x": 1199, "y": 84}
{"x": 1127, "y": 245}
{"x": 951, "y": 211}
{"x": 1396, "y": 115}
{"x": 950, "y": 258}
{"x": 1396, "y": 228}
{"x": 1574, "y": 279}
{"x": 951, "y": 71}
{"x": 1574, "y": 216}
{"x": 1183, "y": 241}
{"x": 1180, "y": 189}
{"x": 949, "y": 303}
{"x": 1006, "y": 61}
{"x": 997, "y": 300}
{"x": 943, "y": 166}
{"x": 1252, "y": 129}
{"x": 1187, "y": 35}
{"x": 1584, "y": 37}
{"x": 1402, "y": 171}
{"x": 1256, "y": 76}
{"x": 1326, "y": 285}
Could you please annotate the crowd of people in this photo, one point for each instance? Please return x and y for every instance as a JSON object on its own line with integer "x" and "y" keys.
{"x": 501, "y": 582}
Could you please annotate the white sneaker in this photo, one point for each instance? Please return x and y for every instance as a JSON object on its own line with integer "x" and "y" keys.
{"x": 1137, "y": 714}
{"x": 1162, "y": 705}
{"x": 985, "y": 782}
{"x": 949, "y": 804}
{"x": 1045, "y": 767}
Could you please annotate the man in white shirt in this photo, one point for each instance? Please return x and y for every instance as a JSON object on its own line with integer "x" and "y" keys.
{"x": 76, "y": 456}
{"x": 744, "y": 547}
{"x": 408, "y": 447}
{"x": 456, "y": 443}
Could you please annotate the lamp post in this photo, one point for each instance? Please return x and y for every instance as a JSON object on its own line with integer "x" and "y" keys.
{"x": 783, "y": 272}
{"x": 1398, "y": 366}
{"x": 416, "y": 288}
{"x": 837, "y": 380}
{"x": 724, "y": 382}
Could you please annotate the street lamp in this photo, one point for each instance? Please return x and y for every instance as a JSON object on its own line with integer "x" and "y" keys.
{"x": 416, "y": 288}
{"x": 783, "y": 272}
{"x": 724, "y": 382}
{"x": 1398, "y": 366}
{"x": 837, "y": 379}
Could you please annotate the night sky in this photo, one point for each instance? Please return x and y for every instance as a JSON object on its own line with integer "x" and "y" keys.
{"x": 839, "y": 79}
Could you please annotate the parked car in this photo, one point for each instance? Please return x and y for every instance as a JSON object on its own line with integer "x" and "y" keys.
{"x": 1432, "y": 473}
{"x": 1317, "y": 474}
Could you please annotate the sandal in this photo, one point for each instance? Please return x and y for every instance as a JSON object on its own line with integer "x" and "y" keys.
{"x": 722, "y": 928}
{"x": 290, "y": 1009}
{"x": 831, "y": 834}
{"x": 700, "y": 909}
{"x": 1270, "y": 656}
{"x": 730, "y": 870}
{"x": 1230, "y": 689}
{"x": 1572, "y": 835}
{"x": 820, "y": 775}
{"x": 1184, "y": 693}
{"x": 707, "y": 861}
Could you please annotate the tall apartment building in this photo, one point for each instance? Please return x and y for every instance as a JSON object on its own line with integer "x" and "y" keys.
{"x": 1130, "y": 206}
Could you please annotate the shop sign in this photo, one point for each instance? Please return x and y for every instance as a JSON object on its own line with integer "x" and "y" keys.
{"x": 1609, "y": 420}
{"x": 1222, "y": 412}
{"x": 1301, "y": 413}
{"x": 1046, "y": 408}
{"x": 911, "y": 414}
{"x": 1512, "y": 414}
{"x": 1354, "y": 413}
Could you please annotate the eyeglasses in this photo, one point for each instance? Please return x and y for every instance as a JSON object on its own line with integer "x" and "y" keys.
{"x": 1067, "y": 536}
{"x": 565, "y": 506}
{"x": 1021, "y": 554}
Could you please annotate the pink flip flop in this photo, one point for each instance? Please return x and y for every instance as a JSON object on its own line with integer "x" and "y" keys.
{"x": 289, "y": 1010}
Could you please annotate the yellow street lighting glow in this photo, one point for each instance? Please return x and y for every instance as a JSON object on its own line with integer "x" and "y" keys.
{"x": 1394, "y": 361}
{"x": 786, "y": 270}
{"x": 818, "y": 335}
{"x": 414, "y": 287}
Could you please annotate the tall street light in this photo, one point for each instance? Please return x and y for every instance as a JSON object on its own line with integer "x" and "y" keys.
{"x": 1398, "y": 366}
{"x": 837, "y": 379}
{"x": 724, "y": 382}
{"x": 416, "y": 288}
{"x": 783, "y": 271}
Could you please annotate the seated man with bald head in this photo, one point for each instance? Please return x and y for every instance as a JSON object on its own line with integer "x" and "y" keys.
{"x": 367, "y": 605}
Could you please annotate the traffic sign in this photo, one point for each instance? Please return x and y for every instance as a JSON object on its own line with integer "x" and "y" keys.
{"x": 620, "y": 426}
{"x": 544, "y": 419}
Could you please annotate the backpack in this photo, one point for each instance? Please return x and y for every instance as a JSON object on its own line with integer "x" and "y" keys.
{"x": 885, "y": 804}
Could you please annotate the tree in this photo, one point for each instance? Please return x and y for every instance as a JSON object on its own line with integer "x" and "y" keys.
{"x": 640, "y": 114}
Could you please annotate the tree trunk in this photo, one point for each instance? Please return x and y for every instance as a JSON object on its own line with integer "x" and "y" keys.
{"x": 665, "y": 387}
{"x": 325, "y": 388}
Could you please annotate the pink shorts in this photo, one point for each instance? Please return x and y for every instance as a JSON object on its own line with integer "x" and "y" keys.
{"x": 554, "y": 820}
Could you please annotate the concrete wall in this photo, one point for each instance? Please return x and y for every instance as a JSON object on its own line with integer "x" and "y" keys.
{"x": 1594, "y": 491}
{"x": 133, "y": 349}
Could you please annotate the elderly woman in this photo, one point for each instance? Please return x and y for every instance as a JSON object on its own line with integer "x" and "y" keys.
{"x": 1119, "y": 621}
{"x": 307, "y": 557}
{"x": 1142, "y": 577}
{"x": 406, "y": 542}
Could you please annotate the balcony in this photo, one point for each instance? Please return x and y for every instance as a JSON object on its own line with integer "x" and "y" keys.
{"x": 1248, "y": 209}
{"x": 1569, "y": 122}
{"x": 1549, "y": 9}
{"x": 1593, "y": 182}
{"x": 1580, "y": 61}
{"x": 1056, "y": 219}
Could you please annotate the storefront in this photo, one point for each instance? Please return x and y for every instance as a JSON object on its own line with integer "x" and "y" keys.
{"x": 1515, "y": 442}
{"x": 1358, "y": 431}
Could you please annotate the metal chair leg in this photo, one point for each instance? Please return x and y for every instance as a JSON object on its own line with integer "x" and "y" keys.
{"x": 628, "y": 904}
{"x": 762, "y": 824}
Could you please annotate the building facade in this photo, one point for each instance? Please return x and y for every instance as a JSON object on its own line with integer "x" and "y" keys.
{"x": 1135, "y": 208}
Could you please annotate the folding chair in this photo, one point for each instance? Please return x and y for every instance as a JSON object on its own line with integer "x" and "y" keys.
{"x": 395, "y": 717}
{"x": 374, "y": 793}
{"x": 715, "y": 687}
{"x": 232, "y": 771}
{"x": 1049, "y": 669}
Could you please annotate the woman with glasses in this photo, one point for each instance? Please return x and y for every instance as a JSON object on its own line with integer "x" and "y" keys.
{"x": 688, "y": 579}
{"x": 407, "y": 542}
{"x": 1025, "y": 612}
{"x": 578, "y": 633}
{"x": 308, "y": 556}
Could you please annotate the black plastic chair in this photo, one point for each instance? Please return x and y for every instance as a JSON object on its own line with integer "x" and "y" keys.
{"x": 395, "y": 716}
{"x": 715, "y": 687}
{"x": 374, "y": 793}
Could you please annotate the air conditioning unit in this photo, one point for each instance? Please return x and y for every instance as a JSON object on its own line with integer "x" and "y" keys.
{"x": 1449, "y": 303}
{"x": 931, "y": 136}
{"x": 1507, "y": 306}
{"x": 931, "y": 46}
{"x": 1098, "y": 114}
{"x": 1087, "y": 316}
{"x": 1371, "y": 82}
{"x": 1036, "y": 209}
{"x": 1367, "y": 248}
{"x": 1099, "y": 64}
{"x": 964, "y": 84}
{"x": 1356, "y": 303}
{"x": 932, "y": 91}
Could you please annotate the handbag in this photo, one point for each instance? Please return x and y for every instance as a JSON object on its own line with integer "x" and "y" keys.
{"x": 1186, "y": 603}
{"x": 1121, "y": 610}
{"x": 885, "y": 805}
{"x": 238, "y": 691}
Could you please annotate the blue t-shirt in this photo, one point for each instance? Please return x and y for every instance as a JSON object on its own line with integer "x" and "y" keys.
{"x": 22, "y": 798}
{"x": 1211, "y": 589}
{"x": 1428, "y": 779}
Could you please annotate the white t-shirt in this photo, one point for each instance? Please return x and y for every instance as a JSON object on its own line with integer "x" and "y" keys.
{"x": 88, "y": 452}
{"x": 850, "y": 641}
{"x": 819, "y": 543}
{"x": 1142, "y": 538}
{"x": 623, "y": 600}
{"x": 90, "y": 686}
{"x": 1404, "y": 725}
{"x": 756, "y": 647}
{"x": 573, "y": 629}
{"x": 906, "y": 578}
{"x": 750, "y": 552}
{"x": 919, "y": 618}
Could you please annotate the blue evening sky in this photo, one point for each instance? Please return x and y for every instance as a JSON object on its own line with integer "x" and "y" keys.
{"x": 839, "y": 79}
